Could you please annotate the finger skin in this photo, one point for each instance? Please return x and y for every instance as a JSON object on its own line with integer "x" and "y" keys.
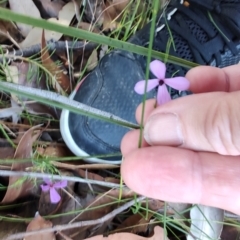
{"x": 130, "y": 142}
{"x": 205, "y": 122}
{"x": 203, "y": 79}
{"x": 181, "y": 175}
{"x": 212, "y": 79}
{"x": 150, "y": 105}
{"x": 209, "y": 121}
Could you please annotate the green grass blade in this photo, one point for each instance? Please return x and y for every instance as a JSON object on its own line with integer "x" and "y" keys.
{"x": 59, "y": 101}
{"x": 82, "y": 34}
{"x": 149, "y": 56}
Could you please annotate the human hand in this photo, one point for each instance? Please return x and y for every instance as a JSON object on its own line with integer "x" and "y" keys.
{"x": 191, "y": 146}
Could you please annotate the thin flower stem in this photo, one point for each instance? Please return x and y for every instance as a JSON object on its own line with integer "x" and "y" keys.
{"x": 149, "y": 56}
{"x": 4, "y": 173}
{"x": 57, "y": 100}
{"x": 77, "y": 224}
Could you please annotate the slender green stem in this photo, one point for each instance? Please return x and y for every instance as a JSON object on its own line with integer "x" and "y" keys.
{"x": 150, "y": 46}
{"x": 6, "y": 136}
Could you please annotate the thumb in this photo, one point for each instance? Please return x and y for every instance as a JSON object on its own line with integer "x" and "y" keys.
{"x": 201, "y": 122}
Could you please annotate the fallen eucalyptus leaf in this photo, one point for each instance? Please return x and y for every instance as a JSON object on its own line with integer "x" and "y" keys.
{"x": 19, "y": 187}
{"x": 60, "y": 81}
{"x": 206, "y": 223}
{"x": 26, "y": 7}
{"x": 13, "y": 112}
{"x": 39, "y": 223}
{"x": 158, "y": 235}
{"x": 64, "y": 18}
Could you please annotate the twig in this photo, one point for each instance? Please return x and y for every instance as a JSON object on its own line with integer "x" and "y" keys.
{"x": 57, "y": 100}
{"x": 90, "y": 205}
{"x": 77, "y": 224}
{"x": 64, "y": 236}
{"x": 77, "y": 12}
{"x": 57, "y": 177}
{"x": 52, "y": 46}
{"x": 84, "y": 166}
{"x": 69, "y": 67}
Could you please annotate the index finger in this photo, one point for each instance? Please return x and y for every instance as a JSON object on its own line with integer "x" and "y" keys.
{"x": 212, "y": 79}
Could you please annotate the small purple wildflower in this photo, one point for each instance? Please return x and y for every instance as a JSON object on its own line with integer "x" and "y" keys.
{"x": 50, "y": 186}
{"x": 158, "y": 68}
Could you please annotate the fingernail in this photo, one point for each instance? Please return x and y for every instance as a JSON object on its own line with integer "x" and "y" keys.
{"x": 163, "y": 129}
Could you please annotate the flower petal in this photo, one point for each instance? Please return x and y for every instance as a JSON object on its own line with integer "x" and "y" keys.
{"x": 179, "y": 83}
{"x": 47, "y": 181}
{"x": 140, "y": 86}
{"x": 60, "y": 184}
{"x": 45, "y": 188}
{"x": 158, "y": 68}
{"x": 54, "y": 195}
{"x": 163, "y": 95}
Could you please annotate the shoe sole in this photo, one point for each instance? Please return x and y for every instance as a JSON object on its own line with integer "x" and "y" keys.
{"x": 67, "y": 136}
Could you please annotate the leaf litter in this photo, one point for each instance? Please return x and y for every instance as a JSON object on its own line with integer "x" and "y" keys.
{"x": 30, "y": 140}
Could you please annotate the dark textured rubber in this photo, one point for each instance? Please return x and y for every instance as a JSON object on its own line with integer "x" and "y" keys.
{"x": 110, "y": 85}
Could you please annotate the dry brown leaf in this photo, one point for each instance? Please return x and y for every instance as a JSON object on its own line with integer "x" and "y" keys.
{"x": 93, "y": 10}
{"x": 135, "y": 224}
{"x": 88, "y": 27}
{"x": 230, "y": 233}
{"x": 99, "y": 209}
{"x": 39, "y": 223}
{"x": 51, "y": 8}
{"x": 155, "y": 204}
{"x": 112, "y": 13}
{"x": 26, "y": 74}
{"x": 16, "y": 189}
{"x": 158, "y": 235}
{"x": 6, "y": 152}
{"x": 65, "y": 17}
{"x": 8, "y": 30}
{"x": 26, "y": 7}
{"x": 69, "y": 205}
{"x": 54, "y": 151}
{"x": 9, "y": 228}
{"x": 80, "y": 60}
{"x": 83, "y": 188}
{"x": 92, "y": 61}
{"x": 94, "y": 176}
{"x": 109, "y": 15}
{"x": 60, "y": 82}
{"x": 114, "y": 10}
{"x": 120, "y": 5}
{"x": 103, "y": 200}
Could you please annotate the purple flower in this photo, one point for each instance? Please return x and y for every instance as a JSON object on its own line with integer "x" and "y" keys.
{"x": 50, "y": 186}
{"x": 159, "y": 70}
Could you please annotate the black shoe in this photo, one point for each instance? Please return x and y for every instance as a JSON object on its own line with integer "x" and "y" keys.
{"x": 204, "y": 31}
